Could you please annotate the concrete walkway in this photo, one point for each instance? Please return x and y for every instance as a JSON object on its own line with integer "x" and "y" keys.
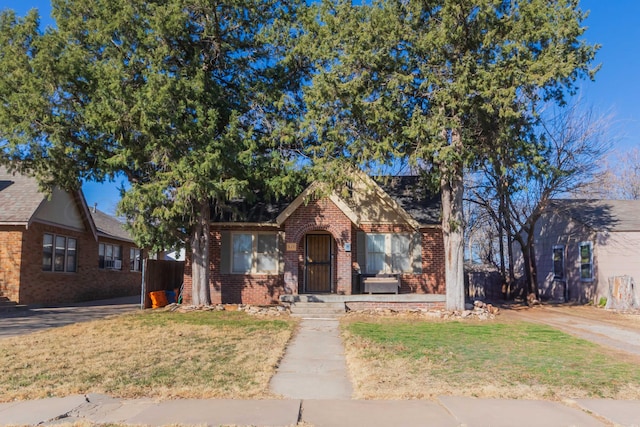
{"x": 313, "y": 366}
{"x": 442, "y": 412}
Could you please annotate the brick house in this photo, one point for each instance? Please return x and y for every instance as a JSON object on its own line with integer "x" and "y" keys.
{"x": 326, "y": 245}
{"x": 56, "y": 249}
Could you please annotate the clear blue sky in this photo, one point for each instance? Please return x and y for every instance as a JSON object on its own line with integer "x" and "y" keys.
{"x": 615, "y": 24}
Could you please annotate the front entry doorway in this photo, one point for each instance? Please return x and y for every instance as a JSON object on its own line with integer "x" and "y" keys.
{"x": 317, "y": 265}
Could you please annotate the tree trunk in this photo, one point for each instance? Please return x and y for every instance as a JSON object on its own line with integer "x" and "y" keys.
{"x": 528, "y": 256}
{"x": 532, "y": 284}
{"x": 452, "y": 188}
{"x": 200, "y": 257}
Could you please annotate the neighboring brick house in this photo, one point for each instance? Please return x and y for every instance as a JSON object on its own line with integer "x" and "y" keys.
{"x": 580, "y": 244}
{"x": 325, "y": 245}
{"x": 56, "y": 249}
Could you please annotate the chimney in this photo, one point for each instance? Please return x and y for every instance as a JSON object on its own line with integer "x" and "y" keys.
{"x": 95, "y": 207}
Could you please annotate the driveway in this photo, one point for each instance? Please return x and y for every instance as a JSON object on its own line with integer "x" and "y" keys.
{"x": 620, "y": 331}
{"x": 20, "y": 322}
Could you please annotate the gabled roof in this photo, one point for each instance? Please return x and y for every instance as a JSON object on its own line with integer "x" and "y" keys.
{"x": 403, "y": 197}
{"x": 601, "y": 215}
{"x": 19, "y": 198}
{"x": 109, "y": 226}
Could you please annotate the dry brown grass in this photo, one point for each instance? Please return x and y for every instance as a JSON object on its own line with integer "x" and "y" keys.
{"x": 162, "y": 355}
{"x": 402, "y": 368}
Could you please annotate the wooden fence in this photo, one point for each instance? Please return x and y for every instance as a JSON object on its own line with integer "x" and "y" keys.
{"x": 160, "y": 275}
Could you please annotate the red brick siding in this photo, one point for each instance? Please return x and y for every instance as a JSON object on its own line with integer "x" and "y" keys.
{"x": 89, "y": 282}
{"x": 257, "y": 289}
{"x": 432, "y": 279}
{"x": 319, "y": 215}
{"x": 10, "y": 261}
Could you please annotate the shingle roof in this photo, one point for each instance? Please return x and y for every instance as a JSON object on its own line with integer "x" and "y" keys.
{"x": 258, "y": 211}
{"x": 599, "y": 215}
{"x": 19, "y": 197}
{"x": 414, "y": 197}
{"x": 407, "y": 191}
{"x": 109, "y": 226}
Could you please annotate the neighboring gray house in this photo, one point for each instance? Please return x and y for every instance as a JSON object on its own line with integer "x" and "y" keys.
{"x": 580, "y": 244}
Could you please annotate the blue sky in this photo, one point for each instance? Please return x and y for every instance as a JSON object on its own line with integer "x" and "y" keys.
{"x": 615, "y": 24}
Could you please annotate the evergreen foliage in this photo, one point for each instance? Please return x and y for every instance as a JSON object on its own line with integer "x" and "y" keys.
{"x": 188, "y": 98}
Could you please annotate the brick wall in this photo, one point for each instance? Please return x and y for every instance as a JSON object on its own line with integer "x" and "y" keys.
{"x": 432, "y": 279}
{"x": 10, "y": 261}
{"x": 319, "y": 215}
{"x": 87, "y": 283}
{"x": 257, "y": 289}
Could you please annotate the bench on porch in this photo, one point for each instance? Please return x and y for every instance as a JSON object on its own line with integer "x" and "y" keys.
{"x": 380, "y": 284}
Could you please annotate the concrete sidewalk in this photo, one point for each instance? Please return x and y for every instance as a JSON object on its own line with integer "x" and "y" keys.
{"x": 313, "y": 366}
{"x": 443, "y": 412}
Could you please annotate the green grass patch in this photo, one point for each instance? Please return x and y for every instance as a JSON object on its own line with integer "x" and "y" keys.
{"x": 499, "y": 354}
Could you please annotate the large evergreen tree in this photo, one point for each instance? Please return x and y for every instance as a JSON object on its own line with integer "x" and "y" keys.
{"x": 445, "y": 83}
{"x": 187, "y": 98}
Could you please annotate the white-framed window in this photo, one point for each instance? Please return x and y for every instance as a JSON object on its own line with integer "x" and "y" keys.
{"x": 586, "y": 261}
{"x": 110, "y": 256}
{"x": 59, "y": 253}
{"x": 254, "y": 253}
{"x": 558, "y": 262}
{"x": 388, "y": 253}
{"x": 135, "y": 259}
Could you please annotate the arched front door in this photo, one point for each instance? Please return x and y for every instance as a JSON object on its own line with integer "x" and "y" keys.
{"x": 318, "y": 263}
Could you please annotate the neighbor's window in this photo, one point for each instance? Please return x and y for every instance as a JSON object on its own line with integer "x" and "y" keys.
{"x": 135, "y": 259}
{"x": 388, "y": 253}
{"x": 586, "y": 261}
{"x": 110, "y": 256}
{"x": 254, "y": 253}
{"x": 59, "y": 253}
{"x": 558, "y": 262}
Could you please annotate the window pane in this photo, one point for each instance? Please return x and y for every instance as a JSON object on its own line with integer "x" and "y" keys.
{"x": 117, "y": 252}
{"x": 242, "y": 248}
{"x": 108, "y": 252}
{"x": 267, "y": 253}
{"x": 586, "y": 267}
{"x": 71, "y": 255}
{"x": 400, "y": 253}
{"x": 58, "y": 260}
{"x": 375, "y": 243}
{"x": 375, "y": 253}
{"x": 47, "y": 252}
{"x": 585, "y": 271}
{"x": 375, "y": 263}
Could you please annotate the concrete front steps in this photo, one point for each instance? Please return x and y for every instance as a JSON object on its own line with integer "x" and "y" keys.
{"x": 317, "y": 309}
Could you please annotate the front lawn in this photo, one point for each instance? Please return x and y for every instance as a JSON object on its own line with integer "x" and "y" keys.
{"x": 155, "y": 354}
{"x": 393, "y": 358}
